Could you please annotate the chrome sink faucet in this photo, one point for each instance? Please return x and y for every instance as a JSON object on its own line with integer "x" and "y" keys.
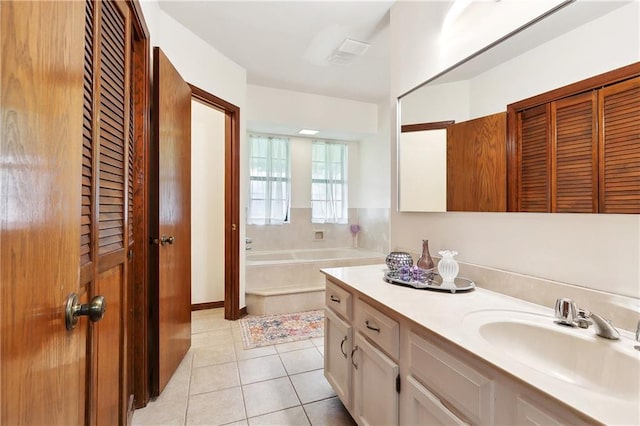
{"x": 567, "y": 313}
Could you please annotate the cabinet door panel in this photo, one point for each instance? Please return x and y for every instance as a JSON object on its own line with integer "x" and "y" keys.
{"x": 575, "y": 157}
{"x": 467, "y": 389}
{"x": 477, "y": 165}
{"x": 425, "y": 408}
{"x": 534, "y": 160}
{"x": 375, "y": 396}
{"x": 338, "y": 341}
{"x": 528, "y": 414}
{"x": 619, "y": 106}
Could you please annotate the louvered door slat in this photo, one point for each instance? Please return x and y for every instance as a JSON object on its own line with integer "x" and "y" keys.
{"x": 108, "y": 232}
{"x": 107, "y": 166}
{"x": 113, "y": 243}
{"x": 111, "y": 148}
{"x": 112, "y": 129}
{"x": 534, "y": 160}
{"x": 87, "y": 139}
{"x": 619, "y": 139}
{"x": 107, "y": 217}
{"x": 575, "y": 171}
{"x": 131, "y": 147}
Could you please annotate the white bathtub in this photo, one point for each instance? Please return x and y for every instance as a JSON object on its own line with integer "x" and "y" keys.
{"x": 290, "y": 280}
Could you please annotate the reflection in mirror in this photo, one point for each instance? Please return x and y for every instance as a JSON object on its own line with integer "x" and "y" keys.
{"x": 422, "y": 151}
{"x": 577, "y": 41}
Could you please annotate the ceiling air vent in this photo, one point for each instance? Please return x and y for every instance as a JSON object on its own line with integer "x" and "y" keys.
{"x": 348, "y": 51}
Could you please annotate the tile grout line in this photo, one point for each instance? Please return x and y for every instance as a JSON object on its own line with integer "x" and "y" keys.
{"x": 299, "y": 400}
{"x": 244, "y": 403}
{"x": 186, "y": 407}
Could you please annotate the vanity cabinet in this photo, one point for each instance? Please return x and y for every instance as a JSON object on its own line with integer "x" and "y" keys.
{"x": 389, "y": 370}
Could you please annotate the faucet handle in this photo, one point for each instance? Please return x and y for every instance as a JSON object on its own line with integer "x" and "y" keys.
{"x": 638, "y": 332}
{"x": 565, "y": 311}
{"x": 583, "y": 313}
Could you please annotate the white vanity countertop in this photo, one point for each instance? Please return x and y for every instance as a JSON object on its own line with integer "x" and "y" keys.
{"x": 444, "y": 314}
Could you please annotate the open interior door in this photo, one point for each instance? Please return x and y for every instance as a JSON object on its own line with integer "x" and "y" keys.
{"x": 170, "y": 224}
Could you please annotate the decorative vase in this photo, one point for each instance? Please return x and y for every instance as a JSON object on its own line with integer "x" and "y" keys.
{"x": 425, "y": 261}
{"x": 397, "y": 259}
{"x": 448, "y": 268}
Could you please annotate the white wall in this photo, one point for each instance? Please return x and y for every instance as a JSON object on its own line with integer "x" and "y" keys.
{"x": 437, "y": 102}
{"x": 204, "y": 66}
{"x": 374, "y": 165}
{"x": 595, "y": 251}
{"x": 207, "y": 203}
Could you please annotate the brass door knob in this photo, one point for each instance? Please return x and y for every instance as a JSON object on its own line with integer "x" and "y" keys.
{"x": 164, "y": 240}
{"x": 95, "y": 310}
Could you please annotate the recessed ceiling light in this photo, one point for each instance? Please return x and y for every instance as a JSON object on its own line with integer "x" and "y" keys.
{"x": 308, "y": 132}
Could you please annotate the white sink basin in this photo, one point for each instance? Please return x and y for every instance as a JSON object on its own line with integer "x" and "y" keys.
{"x": 572, "y": 355}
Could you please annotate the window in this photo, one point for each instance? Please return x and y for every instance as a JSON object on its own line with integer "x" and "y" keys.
{"x": 269, "y": 180}
{"x": 329, "y": 182}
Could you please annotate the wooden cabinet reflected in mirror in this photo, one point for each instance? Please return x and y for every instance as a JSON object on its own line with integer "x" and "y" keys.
{"x": 567, "y": 161}
{"x": 448, "y": 166}
{"x": 577, "y": 149}
{"x": 477, "y": 165}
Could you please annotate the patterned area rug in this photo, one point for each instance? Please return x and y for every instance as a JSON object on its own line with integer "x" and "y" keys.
{"x": 268, "y": 330}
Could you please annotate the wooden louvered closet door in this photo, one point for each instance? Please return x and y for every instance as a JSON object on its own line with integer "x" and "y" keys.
{"x": 534, "y": 160}
{"x": 42, "y": 364}
{"x": 576, "y": 149}
{"x": 574, "y": 176}
{"x": 619, "y": 139}
{"x": 106, "y": 202}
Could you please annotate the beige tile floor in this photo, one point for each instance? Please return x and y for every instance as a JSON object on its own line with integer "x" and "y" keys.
{"x": 221, "y": 383}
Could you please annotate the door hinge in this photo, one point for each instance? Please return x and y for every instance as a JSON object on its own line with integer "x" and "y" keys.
{"x": 398, "y": 384}
{"x": 130, "y": 254}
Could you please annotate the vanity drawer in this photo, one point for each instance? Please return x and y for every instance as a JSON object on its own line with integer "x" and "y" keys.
{"x": 463, "y": 387}
{"x": 378, "y": 327}
{"x": 339, "y": 300}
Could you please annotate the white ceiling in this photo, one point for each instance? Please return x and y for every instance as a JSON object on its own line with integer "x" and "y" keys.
{"x": 285, "y": 44}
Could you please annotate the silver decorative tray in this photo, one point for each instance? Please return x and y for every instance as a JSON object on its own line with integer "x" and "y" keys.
{"x": 433, "y": 282}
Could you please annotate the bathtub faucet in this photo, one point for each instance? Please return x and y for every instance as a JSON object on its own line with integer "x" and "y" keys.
{"x": 247, "y": 243}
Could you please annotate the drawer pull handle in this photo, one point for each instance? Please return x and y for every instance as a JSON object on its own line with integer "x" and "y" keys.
{"x": 342, "y": 346}
{"x": 371, "y": 327}
{"x": 352, "y": 352}
{"x": 334, "y": 299}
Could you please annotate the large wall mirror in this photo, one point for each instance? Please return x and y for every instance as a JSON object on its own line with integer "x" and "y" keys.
{"x": 577, "y": 41}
